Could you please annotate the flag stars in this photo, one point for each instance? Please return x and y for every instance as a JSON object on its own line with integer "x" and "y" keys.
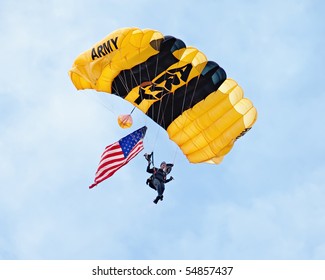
{"x": 128, "y": 142}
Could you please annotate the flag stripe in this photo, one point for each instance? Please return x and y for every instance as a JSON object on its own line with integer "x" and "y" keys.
{"x": 109, "y": 170}
{"x": 110, "y": 150}
{"x": 108, "y": 167}
{"x": 118, "y": 154}
{"x": 108, "y": 161}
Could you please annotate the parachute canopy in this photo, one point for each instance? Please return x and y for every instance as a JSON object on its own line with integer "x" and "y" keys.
{"x": 203, "y": 112}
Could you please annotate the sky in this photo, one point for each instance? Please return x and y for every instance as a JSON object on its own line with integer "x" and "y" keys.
{"x": 264, "y": 201}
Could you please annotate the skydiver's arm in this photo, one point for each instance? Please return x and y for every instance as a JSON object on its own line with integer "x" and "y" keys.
{"x": 150, "y": 170}
{"x": 170, "y": 178}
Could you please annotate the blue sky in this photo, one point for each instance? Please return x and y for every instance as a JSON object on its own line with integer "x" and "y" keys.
{"x": 265, "y": 201}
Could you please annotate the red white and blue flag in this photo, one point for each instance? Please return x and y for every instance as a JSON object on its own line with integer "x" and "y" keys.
{"x": 118, "y": 154}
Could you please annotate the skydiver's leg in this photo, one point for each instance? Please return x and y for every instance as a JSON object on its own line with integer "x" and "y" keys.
{"x": 156, "y": 183}
{"x": 161, "y": 190}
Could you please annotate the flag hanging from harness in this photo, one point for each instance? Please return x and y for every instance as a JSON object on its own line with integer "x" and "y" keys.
{"x": 118, "y": 154}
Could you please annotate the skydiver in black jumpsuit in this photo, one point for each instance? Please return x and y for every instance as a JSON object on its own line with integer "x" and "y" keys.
{"x": 159, "y": 178}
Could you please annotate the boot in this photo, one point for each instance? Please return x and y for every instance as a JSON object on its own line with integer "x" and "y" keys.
{"x": 156, "y": 200}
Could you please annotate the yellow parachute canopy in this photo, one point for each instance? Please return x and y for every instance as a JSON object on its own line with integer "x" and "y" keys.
{"x": 203, "y": 112}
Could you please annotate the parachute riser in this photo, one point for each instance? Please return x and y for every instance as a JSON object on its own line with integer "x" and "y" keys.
{"x": 151, "y": 159}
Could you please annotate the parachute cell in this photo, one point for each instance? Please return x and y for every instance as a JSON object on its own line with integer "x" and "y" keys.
{"x": 203, "y": 112}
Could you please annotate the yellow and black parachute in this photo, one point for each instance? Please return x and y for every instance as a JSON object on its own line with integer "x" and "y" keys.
{"x": 203, "y": 112}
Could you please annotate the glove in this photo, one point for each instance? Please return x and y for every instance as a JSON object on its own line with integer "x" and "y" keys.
{"x": 171, "y": 178}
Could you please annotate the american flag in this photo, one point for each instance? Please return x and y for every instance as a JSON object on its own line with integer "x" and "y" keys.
{"x": 118, "y": 154}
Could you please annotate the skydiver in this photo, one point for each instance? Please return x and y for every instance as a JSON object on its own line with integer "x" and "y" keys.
{"x": 159, "y": 178}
